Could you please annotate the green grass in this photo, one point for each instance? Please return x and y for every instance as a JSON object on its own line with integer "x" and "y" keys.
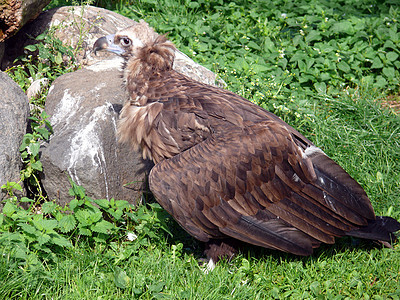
{"x": 86, "y": 273}
{"x": 262, "y": 52}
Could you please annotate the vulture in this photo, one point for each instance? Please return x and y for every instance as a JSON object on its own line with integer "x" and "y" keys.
{"x": 228, "y": 170}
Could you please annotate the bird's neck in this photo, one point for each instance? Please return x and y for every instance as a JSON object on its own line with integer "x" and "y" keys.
{"x": 150, "y": 61}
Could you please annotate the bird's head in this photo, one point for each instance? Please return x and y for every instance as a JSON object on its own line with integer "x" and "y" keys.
{"x": 126, "y": 42}
{"x": 146, "y": 55}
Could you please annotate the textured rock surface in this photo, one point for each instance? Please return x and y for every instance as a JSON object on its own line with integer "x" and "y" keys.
{"x": 84, "y": 108}
{"x": 16, "y": 13}
{"x": 14, "y": 111}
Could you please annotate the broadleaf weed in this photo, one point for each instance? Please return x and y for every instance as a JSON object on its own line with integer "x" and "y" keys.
{"x": 42, "y": 231}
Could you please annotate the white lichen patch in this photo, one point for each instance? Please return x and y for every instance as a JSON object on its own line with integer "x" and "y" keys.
{"x": 86, "y": 145}
{"x": 66, "y": 109}
{"x": 99, "y": 87}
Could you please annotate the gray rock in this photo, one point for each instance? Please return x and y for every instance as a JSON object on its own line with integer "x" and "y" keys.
{"x": 14, "y": 111}
{"x": 84, "y": 108}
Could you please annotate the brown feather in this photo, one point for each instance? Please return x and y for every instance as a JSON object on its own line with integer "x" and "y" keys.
{"x": 226, "y": 168}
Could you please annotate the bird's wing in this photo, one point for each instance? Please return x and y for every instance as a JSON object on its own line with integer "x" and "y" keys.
{"x": 256, "y": 185}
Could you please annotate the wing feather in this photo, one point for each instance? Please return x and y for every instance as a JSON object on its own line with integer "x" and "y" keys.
{"x": 254, "y": 184}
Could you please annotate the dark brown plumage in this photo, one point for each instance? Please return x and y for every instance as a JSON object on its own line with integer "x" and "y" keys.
{"x": 226, "y": 168}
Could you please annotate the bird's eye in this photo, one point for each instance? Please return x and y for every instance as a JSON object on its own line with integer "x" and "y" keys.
{"x": 125, "y": 41}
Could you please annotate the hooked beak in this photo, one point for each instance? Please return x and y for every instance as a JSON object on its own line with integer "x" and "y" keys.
{"x": 107, "y": 43}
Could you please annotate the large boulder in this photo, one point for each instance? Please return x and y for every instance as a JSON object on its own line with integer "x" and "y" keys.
{"x": 84, "y": 108}
{"x": 14, "y": 111}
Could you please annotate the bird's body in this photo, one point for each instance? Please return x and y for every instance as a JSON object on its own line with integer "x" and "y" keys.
{"x": 226, "y": 168}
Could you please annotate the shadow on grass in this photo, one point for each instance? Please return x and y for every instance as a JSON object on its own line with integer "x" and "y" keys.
{"x": 343, "y": 245}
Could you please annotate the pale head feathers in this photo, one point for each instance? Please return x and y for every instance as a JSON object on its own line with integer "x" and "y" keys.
{"x": 150, "y": 60}
{"x": 146, "y": 55}
{"x": 140, "y": 34}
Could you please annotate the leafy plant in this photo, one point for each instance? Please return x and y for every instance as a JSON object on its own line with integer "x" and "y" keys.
{"x": 51, "y": 57}
{"x": 47, "y": 58}
{"x": 107, "y": 220}
{"x": 42, "y": 231}
{"x": 27, "y": 236}
{"x": 44, "y": 60}
{"x": 284, "y": 49}
{"x": 30, "y": 147}
{"x": 9, "y": 187}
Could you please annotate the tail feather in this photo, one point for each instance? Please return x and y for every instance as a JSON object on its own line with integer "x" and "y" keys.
{"x": 380, "y": 229}
{"x": 351, "y": 200}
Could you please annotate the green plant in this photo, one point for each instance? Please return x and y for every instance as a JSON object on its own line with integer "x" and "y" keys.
{"x": 283, "y": 49}
{"x": 42, "y": 231}
{"x": 47, "y": 58}
{"x": 109, "y": 220}
{"x": 27, "y": 236}
{"x": 9, "y": 187}
{"x": 51, "y": 57}
{"x": 30, "y": 147}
